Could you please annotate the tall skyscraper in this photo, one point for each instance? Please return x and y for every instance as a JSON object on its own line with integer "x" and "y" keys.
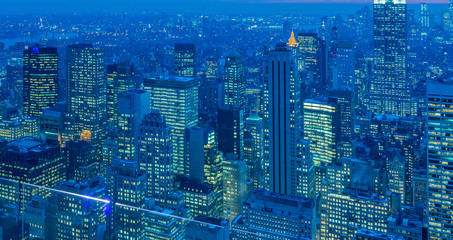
{"x": 120, "y": 77}
{"x": 155, "y": 155}
{"x": 86, "y": 91}
{"x": 177, "y": 99}
{"x": 133, "y": 105}
{"x": 281, "y": 118}
{"x": 235, "y": 190}
{"x": 185, "y": 64}
{"x": 231, "y": 130}
{"x": 14, "y": 79}
{"x": 390, "y": 89}
{"x": 440, "y": 101}
{"x": 234, "y": 81}
{"x": 321, "y": 128}
{"x": 40, "y": 85}
{"x": 313, "y": 48}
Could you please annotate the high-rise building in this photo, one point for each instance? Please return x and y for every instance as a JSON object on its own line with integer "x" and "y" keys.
{"x": 314, "y": 50}
{"x": 234, "y": 82}
{"x": 120, "y": 77}
{"x": 304, "y": 169}
{"x": 321, "y": 120}
{"x": 40, "y": 84}
{"x": 82, "y": 162}
{"x": 177, "y": 99}
{"x": 345, "y": 104}
{"x": 390, "y": 89}
{"x": 185, "y": 64}
{"x": 74, "y": 211}
{"x": 281, "y": 118}
{"x": 254, "y": 147}
{"x": 235, "y": 190}
{"x": 268, "y": 215}
{"x": 440, "y": 101}
{"x": 345, "y": 65}
{"x": 231, "y": 130}
{"x": 86, "y": 91}
{"x": 201, "y": 144}
{"x": 349, "y": 211}
{"x": 212, "y": 70}
{"x": 155, "y": 155}
{"x": 200, "y": 197}
{"x": 30, "y": 160}
{"x": 127, "y": 190}
{"x": 35, "y": 218}
{"x": 133, "y": 105}
{"x": 14, "y": 79}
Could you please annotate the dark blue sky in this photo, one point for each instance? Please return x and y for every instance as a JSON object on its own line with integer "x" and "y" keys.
{"x": 199, "y": 6}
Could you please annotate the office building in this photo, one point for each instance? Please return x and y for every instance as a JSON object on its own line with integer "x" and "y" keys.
{"x": 314, "y": 50}
{"x": 40, "y": 84}
{"x": 268, "y": 215}
{"x": 155, "y": 155}
{"x": 390, "y": 89}
{"x": 200, "y": 197}
{"x": 321, "y": 120}
{"x": 440, "y": 120}
{"x": 177, "y": 99}
{"x": 281, "y": 118}
{"x": 234, "y": 82}
{"x": 127, "y": 190}
{"x": 349, "y": 211}
{"x": 133, "y": 105}
{"x": 120, "y": 77}
{"x": 231, "y": 130}
{"x": 86, "y": 92}
{"x": 74, "y": 214}
{"x": 235, "y": 189}
{"x": 82, "y": 162}
{"x": 30, "y": 160}
{"x": 184, "y": 60}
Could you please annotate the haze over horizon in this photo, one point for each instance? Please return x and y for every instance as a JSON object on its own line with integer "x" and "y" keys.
{"x": 196, "y": 6}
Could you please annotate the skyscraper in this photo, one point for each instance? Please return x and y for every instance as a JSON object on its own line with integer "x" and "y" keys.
{"x": 390, "y": 90}
{"x": 177, "y": 99}
{"x": 40, "y": 89}
{"x": 155, "y": 155}
{"x": 440, "y": 101}
{"x": 86, "y": 91}
{"x": 120, "y": 77}
{"x": 313, "y": 48}
{"x": 281, "y": 118}
{"x": 234, "y": 81}
{"x": 231, "y": 130}
{"x": 321, "y": 128}
{"x": 185, "y": 60}
{"x": 133, "y": 105}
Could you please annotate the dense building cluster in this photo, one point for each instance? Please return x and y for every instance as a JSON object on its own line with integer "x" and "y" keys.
{"x": 221, "y": 127}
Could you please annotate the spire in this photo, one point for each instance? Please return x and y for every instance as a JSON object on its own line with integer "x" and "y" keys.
{"x": 292, "y": 40}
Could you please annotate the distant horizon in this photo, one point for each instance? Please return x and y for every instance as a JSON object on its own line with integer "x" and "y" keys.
{"x": 192, "y": 6}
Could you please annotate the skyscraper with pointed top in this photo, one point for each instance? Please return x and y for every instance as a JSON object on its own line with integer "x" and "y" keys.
{"x": 390, "y": 90}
